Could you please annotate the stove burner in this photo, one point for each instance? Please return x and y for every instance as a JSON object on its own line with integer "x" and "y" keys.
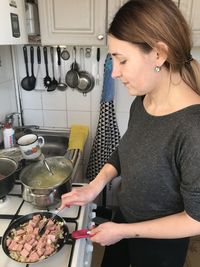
{"x": 2, "y": 199}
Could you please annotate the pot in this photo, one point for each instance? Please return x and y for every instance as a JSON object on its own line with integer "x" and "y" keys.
{"x": 43, "y": 189}
{"x": 8, "y": 168}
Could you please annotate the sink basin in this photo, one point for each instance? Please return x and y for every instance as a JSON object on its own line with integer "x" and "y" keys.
{"x": 56, "y": 142}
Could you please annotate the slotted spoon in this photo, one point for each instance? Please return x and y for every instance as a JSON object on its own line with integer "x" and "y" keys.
{"x": 47, "y": 78}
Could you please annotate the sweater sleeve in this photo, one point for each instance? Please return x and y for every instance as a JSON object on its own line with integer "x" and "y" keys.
{"x": 189, "y": 159}
{"x": 114, "y": 160}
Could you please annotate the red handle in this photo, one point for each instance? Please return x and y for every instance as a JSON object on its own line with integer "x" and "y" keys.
{"x": 83, "y": 233}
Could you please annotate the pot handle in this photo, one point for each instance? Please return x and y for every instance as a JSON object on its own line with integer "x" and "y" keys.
{"x": 41, "y": 141}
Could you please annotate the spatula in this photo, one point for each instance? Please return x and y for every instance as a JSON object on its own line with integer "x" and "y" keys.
{"x": 43, "y": 229}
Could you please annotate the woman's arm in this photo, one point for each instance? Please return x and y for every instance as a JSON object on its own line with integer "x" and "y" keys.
{"x": 83, "y": 195}
{"x": 174, "y": 226}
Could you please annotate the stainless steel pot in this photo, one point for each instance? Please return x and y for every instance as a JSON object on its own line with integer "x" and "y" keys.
{"x": 43, "y": 189}
{"x": 8, "y": 173}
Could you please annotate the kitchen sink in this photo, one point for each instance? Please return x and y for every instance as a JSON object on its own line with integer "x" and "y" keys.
{"x": 56, "y": 142}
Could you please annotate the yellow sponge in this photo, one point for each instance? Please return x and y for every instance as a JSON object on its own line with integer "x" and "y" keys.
{"x": 78, "y": 137}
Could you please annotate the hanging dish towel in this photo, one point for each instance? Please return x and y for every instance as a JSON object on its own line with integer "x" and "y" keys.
{"x": 78, "y": 137}
{"x": 107, "y": 134}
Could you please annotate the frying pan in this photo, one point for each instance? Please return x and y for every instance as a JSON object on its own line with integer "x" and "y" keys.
{"x": 61, "y": 242}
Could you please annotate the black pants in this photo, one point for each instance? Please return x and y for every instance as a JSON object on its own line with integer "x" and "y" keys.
{"x": 145, "y": 252}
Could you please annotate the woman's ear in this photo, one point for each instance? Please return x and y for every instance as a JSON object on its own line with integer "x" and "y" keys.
{"x": 161, "y": 50}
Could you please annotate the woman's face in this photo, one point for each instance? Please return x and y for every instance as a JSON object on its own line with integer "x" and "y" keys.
{"x": 135, "y": 68}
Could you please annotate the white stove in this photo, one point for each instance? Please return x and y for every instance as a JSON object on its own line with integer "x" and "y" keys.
{"x": 76, "y": 253}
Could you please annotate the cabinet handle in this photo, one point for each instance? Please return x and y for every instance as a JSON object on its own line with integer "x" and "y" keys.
{"x": 100, "y": 37}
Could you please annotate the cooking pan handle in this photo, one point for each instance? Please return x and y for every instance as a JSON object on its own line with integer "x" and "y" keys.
{"x": 83, "y": 233}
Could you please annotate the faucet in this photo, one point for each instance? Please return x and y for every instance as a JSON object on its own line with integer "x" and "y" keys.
{"x": 9, "y": 118}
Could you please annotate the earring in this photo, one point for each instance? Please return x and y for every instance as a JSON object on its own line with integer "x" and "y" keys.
{"x": 157, "y": 68}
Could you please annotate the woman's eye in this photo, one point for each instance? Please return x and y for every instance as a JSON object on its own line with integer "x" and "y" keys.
{"x": 123, "y": 62}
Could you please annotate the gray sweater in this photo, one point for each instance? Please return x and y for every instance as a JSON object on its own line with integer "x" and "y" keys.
{"x": 158, "y": 159}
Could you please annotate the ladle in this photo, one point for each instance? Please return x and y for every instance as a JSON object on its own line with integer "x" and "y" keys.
{"x": 32, "y": 78}
{"x": 61, "y": 86}
{"x": 25, "y": 83}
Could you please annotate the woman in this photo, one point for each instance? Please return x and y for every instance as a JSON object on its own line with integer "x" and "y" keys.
{"x": 159, "y": 155}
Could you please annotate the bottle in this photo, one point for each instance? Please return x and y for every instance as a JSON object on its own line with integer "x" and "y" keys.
{"x": 8, "y": 135}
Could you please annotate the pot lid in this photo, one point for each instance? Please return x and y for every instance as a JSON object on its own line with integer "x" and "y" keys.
{"x": 36, "y": 175}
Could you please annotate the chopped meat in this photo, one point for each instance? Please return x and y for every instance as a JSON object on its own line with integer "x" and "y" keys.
{"x": 8, "y": 241}
{"x": 49, "y": 250}
{"x": 34, "y": 257}
{"x": 29, "y": 229}
{"x": 36, "y": 230}
{"x": 20, "y": 232}
{"x": 27, "y": 246}
{"x": 41, "y": 251}
{"x": 19, "y": 247}
{"x": 52, "y": 238}
{"x": 24, "y": 253}
{"x": 36, "y": 218}
{"x": 12, "y": 245}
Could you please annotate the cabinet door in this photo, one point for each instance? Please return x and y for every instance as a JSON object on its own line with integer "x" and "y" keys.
{"x": 191, "y": 11}
{"x": 74, "y": 22}
{"x": 113, "y": 6}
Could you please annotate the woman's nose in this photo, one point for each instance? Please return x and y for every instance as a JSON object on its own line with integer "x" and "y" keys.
{"x": 116, "y": 73}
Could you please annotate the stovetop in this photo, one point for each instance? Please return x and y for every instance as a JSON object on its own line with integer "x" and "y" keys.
{"x": 76, "y": 218}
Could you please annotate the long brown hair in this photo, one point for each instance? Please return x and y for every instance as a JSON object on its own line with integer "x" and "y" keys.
{"x": 146, "y": 22}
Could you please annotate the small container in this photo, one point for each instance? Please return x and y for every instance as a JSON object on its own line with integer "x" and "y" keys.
{"x": 8, "y": 135}
{"x": 32, "y": 18}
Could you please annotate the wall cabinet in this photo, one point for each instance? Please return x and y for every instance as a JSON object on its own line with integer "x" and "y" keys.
{"x": 191, "y": 11}
{"x": 12, "y": 22}
{"x": 73, "y": 22}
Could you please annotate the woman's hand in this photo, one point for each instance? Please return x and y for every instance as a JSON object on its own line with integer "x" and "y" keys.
{"x": 78, "y": 196}
{"x": 107, "y": 233}
{"x": 83, "y": 195}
